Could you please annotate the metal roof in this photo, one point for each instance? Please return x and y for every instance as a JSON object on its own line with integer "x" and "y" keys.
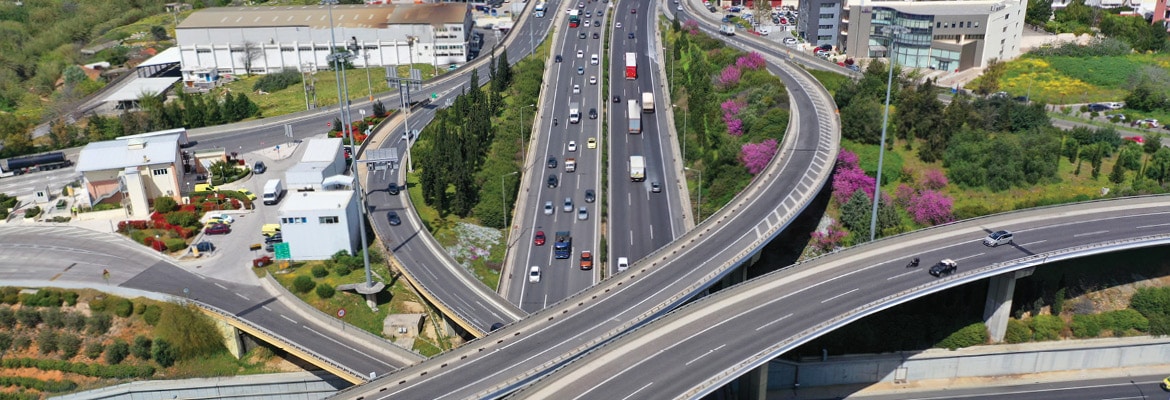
{"x": 137, "y": 87}
{"x": 321, "y": 150}
{"x": 168, "y": 56}
{"x": 320, "y": 200}
{"x": 133, "y": 152}
{"x": 349, "y": 16}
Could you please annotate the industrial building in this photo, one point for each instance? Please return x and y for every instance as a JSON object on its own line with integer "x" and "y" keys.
{"x": 943, "y": 35}
{"x": 323, "y": 158}
{"x": 132, "y": 169}
{"x": 317, "y": 225}
{"x": 221, "y": 42}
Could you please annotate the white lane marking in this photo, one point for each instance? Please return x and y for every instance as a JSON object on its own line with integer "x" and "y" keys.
{"x": 289, "y": 319}
{"x": 639, "y": 390}
{"x": 705, "y": 354}
{"x": 363, "y": 353}
{"x": 970, "y": 256}
{"x": 221, "y": 286}
{"x": 838, "y": 296}
{"x": 773, "y": 322}
{"x": 1090, "y": 233}
{"x": 266, "y": 308}
{"x": 900, "y": 275}
{"x": 1032, "y": 243}
{"x": 242, "y": 297}
{"x": 1152, "y": 226}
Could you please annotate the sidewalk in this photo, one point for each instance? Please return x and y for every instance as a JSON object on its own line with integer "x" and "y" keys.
{"x": 289, "y": 385}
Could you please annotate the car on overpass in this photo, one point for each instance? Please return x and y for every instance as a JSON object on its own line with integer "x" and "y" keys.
{"x": 997, "y": 238}
{"x": 945, "y": 266}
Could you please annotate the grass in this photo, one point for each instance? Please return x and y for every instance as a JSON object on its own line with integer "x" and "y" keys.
{"x": 292, "y": 98}
{"x": 443, "y": 228}
{"x": 831, "y": 80}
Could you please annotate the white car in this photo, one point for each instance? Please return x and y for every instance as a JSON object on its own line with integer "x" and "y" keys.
{"x": 572, "y": 145}
{"x": 592, "y": 80}
{"x": 594, "y": 60}
{"x": 790, "y": 40}
{"x": 576, "y": 89}
{"x": 617, "y": 25}
{"x": 568, "y": 204}
{"x": 221, "y": 218}
{"x": 548, "y": 207}
{"x": 582, "y": 213}
{"x": 623, "y": 264}
{"x": 580, "y": 54}
{"x": 534, "y": 274}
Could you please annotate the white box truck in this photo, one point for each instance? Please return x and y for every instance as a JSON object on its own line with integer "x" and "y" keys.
{"x": 647, "y": 102}
{"x": 574, "y": 113}
{"x": 273, "y": 191}
{"x": 637, "y": 168}
{"x": 635, "y": 116}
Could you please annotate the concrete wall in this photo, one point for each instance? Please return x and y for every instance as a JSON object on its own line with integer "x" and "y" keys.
{"x": 981, "y": 361}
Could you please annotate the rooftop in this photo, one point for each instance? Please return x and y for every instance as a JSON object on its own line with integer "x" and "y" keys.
{"x": 135, "y": 88}
{"x": 316, "y": 201}
{"x": 134, "y": 152}
{"x": 948, "y": 7}
{"x": 168, "y": 56}
{"x": 348, "y": 16}
{"x": 322, "y": 150}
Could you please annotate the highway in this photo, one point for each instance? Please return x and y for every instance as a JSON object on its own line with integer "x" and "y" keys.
{"x": 704, "y": 345}
{"x": 512, "y": 356}
{"x": 1117, "y": 388}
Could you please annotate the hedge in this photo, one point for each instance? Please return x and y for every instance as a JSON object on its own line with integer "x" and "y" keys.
{"x": 1017, "y": 332}
{"x": 94, "y": 370}
{"x": 52, "y": 385}
{"x": 970, "y": 335}
{"x": 1046, "y": 327}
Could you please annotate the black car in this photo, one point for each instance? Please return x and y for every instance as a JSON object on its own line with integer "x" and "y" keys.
{"x": 393, "y": 218}
{"x": 630, "y": 35}
{"x": 581, "y": 35}
{"x": 558, "y": 58}
{"x": 944, "y": 267}
{"x": 552, "y": 162}
{"x": 592, "y": 113}
{"x": 590, "y": 196}
{"x": 259, "y": 168}
{"x": 596, "y": 35}
{"x": 393, "y": 188}
{"x": 617, "y": 99}
{"x": 552, "y": 181}
{"x": 274, "y": 238}
{"x": 1097, "y": 107}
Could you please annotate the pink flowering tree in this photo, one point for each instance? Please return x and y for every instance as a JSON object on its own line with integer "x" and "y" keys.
{"x": 903, "y": 194}
{"x": 692, "y": 26}
{"x": 735, "y": 127}
{"x": 731, "y": 110}
{"x": 729, "y": 76}
{"x": 849, "y": 177}
{"x": 847, "y": 159}
{"x": 934, "y": 180}
{"x": 756, "y": 156}
{"x": 931, "y": 208}
{"x": 752, "y": 60}
{"x": 829, "y": 239}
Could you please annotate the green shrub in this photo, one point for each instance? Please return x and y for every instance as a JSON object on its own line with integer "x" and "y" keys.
{"x": 121, "y": 307}
{"x": 43, "y": 298}
{"x": 51, "y": 386}
{"x": 7, "y": 318}
{"x": 970, "y": 335}
{"x": 93, "y": 350}
{"x": 47, "y": 341}
{"x": 175, "y": 244}
{"x": 69, "y": 345}
{"x": 325, "y": 291}
{"x": 165, "y": 204}
{"x": 75, "y": 321}
{"x": 99, "y": 324}
{"x": 320, "y": 271}
{"x": 1125, "y": 322}
{"x": 1086, "y": 326}
{"x": 1046, "y": 327}
{"x": 303, "y": 284}
{"x": 1058, "y": 301}
{"x": 141, "y": 347}
{"x": 152, "y": 314}
{"x": 28, "y": 317}
{"x": 341, "y": 269}
{"x": 164, "y": 354}
{"x": 183, "y": 218}
{"x": 70, "y": 298}
{"x": 277, "y": 81}
{"x": 1017, "y": 332}
{"x": 5, "y": 342}
{"x": 8, "y": 294}
{"x": 117, "y": 352}
{"x": 21, "y": 343}
{"x": 94, "y": 370}
{"x": 189, "y": 331}
{"x": 53, "y": 318}
{"x": 139, "y": 308}
{"x": 98, "y": 304}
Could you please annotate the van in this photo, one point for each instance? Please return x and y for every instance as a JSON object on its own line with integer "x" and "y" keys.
{"x": 273, "y": 191}
{"x": 205, "y": 187}
{"x": 270, "y": 229}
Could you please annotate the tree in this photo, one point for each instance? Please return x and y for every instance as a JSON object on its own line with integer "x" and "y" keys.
{"x": 503, "y": 70}
{"x": 69, "y": 345}
{"x": 989, "y": 82}
{"x": 250, "y": 54}
{"x": 158, "y": 32}
{"x": 141, "y": 347}
{"x": 1159, "y": 167}
{"x": 855, "y": 215}
{"x": 94, "y": 349}
{"x": 763, "y": 10}
{"x": 164, "y": 353}
{"x": 861, "y": 121}
{"x": 192, "y": 333}
{"x": 117, "y": 352}
{"x": 1039, "y": 12}
{"x": 1147, "y": 98}
{"x": 379, "y": 109}
{"x": 756, "y": 156}
{"x": 47, "y": 341}
{"x": 303, "y": 284}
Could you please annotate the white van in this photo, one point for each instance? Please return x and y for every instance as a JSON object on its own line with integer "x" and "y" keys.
{"x": 273, "y": 191}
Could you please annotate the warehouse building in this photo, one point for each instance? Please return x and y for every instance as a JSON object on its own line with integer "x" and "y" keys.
{"x": 222, "y": 42}
{"x": 317, "y": 225}
{"x": 323, "y": 158}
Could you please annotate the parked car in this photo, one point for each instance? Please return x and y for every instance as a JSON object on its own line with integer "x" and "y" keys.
{"x": 1147, "y": 123}
{"x": 945, "y": 266}
{"x": 393, "y": 218}
{"x": 217, "y": 229}
{"x": 259, "y": 167}
{"x": 539, "y": 239}
{"x": 997, "y": 238}
{"x": 221, "y": 219}
{"x": 204, "y": 246}
{"x": 1098, "y": 107}
{"x": 277, "y": 238}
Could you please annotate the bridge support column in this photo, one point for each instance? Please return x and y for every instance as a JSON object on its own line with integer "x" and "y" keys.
{"x": 233, "y": 339}
{"x": 755, "y": 384}
{"x": 998, "y": 306}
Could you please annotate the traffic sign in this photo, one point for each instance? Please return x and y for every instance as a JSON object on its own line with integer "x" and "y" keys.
{"x": 281, "y": 250}
{"x": 340, "y": 312}
{"x": 434, "y": 95}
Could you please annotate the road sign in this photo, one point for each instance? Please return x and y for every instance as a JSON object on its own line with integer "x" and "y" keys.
{"x": 340, "y": 313}
{"x": 434, "y": 95}
{"x": 281, "y": 250}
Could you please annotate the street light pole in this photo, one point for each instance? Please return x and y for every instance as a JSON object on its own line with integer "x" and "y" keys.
{"x": 504, "y": 204}
{"x": 684, "y": 135}
{"x": 369, "y": 86}
{"x": 523, "y": 136}
{"x": 699, "y": 209}
{"x": 892, "y": 31}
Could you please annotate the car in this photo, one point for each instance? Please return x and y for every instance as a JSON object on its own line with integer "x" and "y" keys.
{"x": 600, "y": 13}
{"x": 945, "y": 266}
{"x": 206, "y": 187}
{"x": 217, "y": 229}
{"x": 552, "y": 161}
{"x": 548, "y": 207}
{"x": 592, "y": 141}
{"x": 596, "y": 35}
{"x": 580, "y": 70}
{"x": 393, "y": 218}
{"x": 592, "y": 113}
{"x": 1098, "y": 107}
{"x": 1166, "y": 384}
{"x": 539, "y": 239}
{"x": 580, "y": 54}
{"x": 790, "y": 40}
{"x": 997, "y": 238}
{"x": 270, "y": 230}
{"x": 496, "y": 326}
{"x": 247, "y": 194}
{"x": 712, "y": 9}
{"x": 1147, "y": 123}
{"x": 617, "y": 25}
{"x": 678, "y": 8}
{"x": 452, "y": 67}
{"x": 617, "y": 99}
{"x": 277, "y": 238}
{"x": 594, "y": 60}
{"x": 592, "y": 80}
{"x": 582, "y": 35}
{"x": 392, "y": 188}
{"x": 221, "y": 219}
{"x": 633, "y": 11}
{"x": 259, "y": 167}
{"x": 559, "y": 58}
{"x": 588, "y": 14}
{"x": 1115, "y": 105}
{"x": 630, "y": 35}
{"x": 552, "y": 181}
{"x": 596, "y": 23}
{"x": 580, "y": 5}
{"x": 655, "y": 187}
{"x": 586, "y": 23}
{"x": 586, "y": 260}
{"x": 534, "y": 274}
{"x": 623, "y": 264}
{"x": 582, "y": 213}
{"x": 572, "y": 146}
{"x": 204, "y": 246}
{"x": 568, "y": 205}
{"x": 1135, "y": 139}
{"x": 590, "y": 196}
{"x": 576, "y": 89}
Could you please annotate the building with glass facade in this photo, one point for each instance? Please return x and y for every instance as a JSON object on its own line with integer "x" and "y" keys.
{"x": 944, "y": 35}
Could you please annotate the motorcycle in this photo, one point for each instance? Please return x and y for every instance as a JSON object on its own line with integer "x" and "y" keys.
{"x": 913, "y": 263}
{"x": 554, "y": 122}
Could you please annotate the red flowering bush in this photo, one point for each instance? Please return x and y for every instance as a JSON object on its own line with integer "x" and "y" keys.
{"x": 934, "y": 180}
{"x": 752, "y": 60}
{"x": 829, "y": 239}
{"x": 729, "y": 76}
{"x": 849, "y": 178}
{"x": 756, "y": 156}
{"x": 931, "y": 208}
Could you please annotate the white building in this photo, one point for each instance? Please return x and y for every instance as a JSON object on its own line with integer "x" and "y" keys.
{"x": 223, "y": 41}
{"x": 131, "y": 170}
{"x": 943, "y": 35}
{"x": 322, "y": 159}
{"x": 317, "y": 225}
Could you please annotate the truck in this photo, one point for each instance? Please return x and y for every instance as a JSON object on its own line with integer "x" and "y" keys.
{"x": 637, "y": 168}
{"x": 574, "y": 18}
{"x": 574, "y": 113}
{"x": 37, "y": 162}
{"x": 727, "y": 29}
{"x": 647, "y": 102}
{"x": 538, "y": 12}
{"x": 635, "y": 116}
{"x": 631, "y": 66}
{"x": 570, "y": 165}
{"x": 563, "y": 247}
{"x": 273, "y": 191}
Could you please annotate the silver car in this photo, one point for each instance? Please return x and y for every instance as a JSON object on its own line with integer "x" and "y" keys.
{"x": 568, "y": 204}
{"x": 548, "y": 207}
{"x": 582, "y": 213}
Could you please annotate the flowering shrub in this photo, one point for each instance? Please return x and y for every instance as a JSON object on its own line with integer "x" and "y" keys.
{"x": 934, "y": 180}
{"x": 730, "y": 76}
{"x": 731, "y": 109}
{"x": 849, "y": 180}
{"x": 903, "y": 195}
{"x": 847, "y": 159}
{"x": 752, "y": 60}
{"x": 931, "y": 208}
{"x": 692, "y": 26}
{"x": 735, "y": 127}
{"x": 829, "y": 239}
{"x": 756, "y": 156}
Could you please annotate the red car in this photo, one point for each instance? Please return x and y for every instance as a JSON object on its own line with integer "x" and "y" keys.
{"x": 586, "y": 260}
{"x": 218, "y": 229}
{"x": 539, "y": 239}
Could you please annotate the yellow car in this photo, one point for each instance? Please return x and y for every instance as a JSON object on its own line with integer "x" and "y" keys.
{"x": 205, "y": 187}
{"x": 1166, "y": 384}
{"x": 270, "y": 229}
{"x": 248, "y": 193}
{"x": 591, "y": 143}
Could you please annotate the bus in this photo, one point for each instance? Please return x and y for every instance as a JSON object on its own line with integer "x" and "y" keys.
{"x": 574, "y": 18}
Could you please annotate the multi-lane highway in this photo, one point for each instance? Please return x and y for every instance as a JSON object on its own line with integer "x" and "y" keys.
{"x": 710, "y": 342}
